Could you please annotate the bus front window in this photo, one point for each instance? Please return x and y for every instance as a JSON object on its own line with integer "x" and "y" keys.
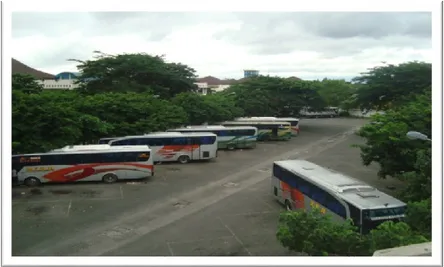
{"x": 374, "y": 217}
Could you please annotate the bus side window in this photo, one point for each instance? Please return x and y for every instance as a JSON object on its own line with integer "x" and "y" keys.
{"x": 179, "y": 141}
{"x": 120, "y": 143}
{"x": 89, "y": 158}
{"x": 277, "y": 171}
{"x": 108, "y": 157}
{"x": 318, "y": 195}
{"x": 334, "y": 205}
{"x": 142, "y": 156}
{"x": 355, "y": 214}
{"x": 250, "y": 132}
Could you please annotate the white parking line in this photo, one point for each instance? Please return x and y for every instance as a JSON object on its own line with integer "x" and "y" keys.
{"x": 235, "y": 237}
{"x": 69, "y": 208}
{"x": 170, "y": 249}
{"x": 121, "y": 192}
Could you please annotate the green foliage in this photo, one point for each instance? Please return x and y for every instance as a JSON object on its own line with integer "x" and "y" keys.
{"x": 386, "y": 141}
{"x": 335, "y": 92}
{"x": 390, "y": 85}
{"x": 318, "y": 235}
{"x": 135, "y": 73}
{"x": 390, "y": 234}
{"x": 26, "y": 84}
{"x": 274, "y": 96}
{"x": 419, "y": 217}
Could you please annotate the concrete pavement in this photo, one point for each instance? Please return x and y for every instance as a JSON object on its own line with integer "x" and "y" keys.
{"x": 216, "y": 208}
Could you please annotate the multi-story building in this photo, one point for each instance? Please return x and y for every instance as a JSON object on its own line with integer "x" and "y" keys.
{"x": 251, "y": 73}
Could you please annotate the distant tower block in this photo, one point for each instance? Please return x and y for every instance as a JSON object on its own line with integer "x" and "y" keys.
{"x": 251, "y": 73}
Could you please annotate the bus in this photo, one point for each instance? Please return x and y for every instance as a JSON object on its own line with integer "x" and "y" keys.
{"x": 175, "y": 146}
{"x": 267, "y": 130}
{"x": 328, "y": 112}
{"x": 293, "y": 121}
{"x": 227, "y": 137}
{"x": 300, "y": 184}
{"x": 72, "y": 164}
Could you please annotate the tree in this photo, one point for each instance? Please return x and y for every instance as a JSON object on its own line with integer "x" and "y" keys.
{"x": 390, "y": 85}
{"x": 42, "y": 122}
{"x": 386, "y": 141}
{"x": 334, "y": 92}
{"x": 390, "y": 235}
{"x": 419, "y": 217}
{"x": 135, "y": 73}
{"x": 195, "y": 106}
{"x": 132, "y": 113}
{"x": 274, "y": 96}
{"x": 26, "y": 83}
{"x": 317, "y": 234}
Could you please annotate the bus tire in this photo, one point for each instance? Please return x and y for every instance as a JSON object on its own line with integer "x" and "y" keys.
{"x": 110, "y": 178}
{"x": 183, "y": 159}
{"x": 288, "y": 205}
{"x": 231, "y": 146}
{"x": 32, "y": 182}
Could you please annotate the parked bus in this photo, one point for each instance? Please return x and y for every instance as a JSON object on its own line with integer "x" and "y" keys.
{"x": 227, "y": 137}
{"x": 72, "y": 164}
{"x": 328, "y": 112}
{"x": 300, "y": 184}
{"x": 267, "y": 130}
{"x": 175, "y": 146}
{"x": 293, "y": 121}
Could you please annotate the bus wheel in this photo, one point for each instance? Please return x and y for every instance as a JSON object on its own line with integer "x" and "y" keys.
{"x": 32, "y": 181}
{"x": 184, "y": 159}
{"x": 288, "y": 205}
{"x": 110, "y": 178}
{"x": 231, "y": 146}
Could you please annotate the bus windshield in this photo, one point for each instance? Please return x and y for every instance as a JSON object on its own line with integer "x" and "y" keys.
{"x": 374, "y": 217}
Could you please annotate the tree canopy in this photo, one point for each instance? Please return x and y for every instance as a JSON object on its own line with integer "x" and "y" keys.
{"x": 135, "y": 73}
{"x": 391, "y": 85}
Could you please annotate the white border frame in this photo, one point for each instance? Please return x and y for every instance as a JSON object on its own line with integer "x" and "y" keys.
{"x": 227, "y": 5}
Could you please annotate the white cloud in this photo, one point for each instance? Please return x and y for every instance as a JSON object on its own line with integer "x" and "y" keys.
{"x": 223, "y": 44}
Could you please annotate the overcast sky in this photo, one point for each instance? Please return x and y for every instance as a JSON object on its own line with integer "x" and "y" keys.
{"x": 306, "y": 45}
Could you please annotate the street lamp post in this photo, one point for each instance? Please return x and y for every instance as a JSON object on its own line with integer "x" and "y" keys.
{"x": 417, "y": 136}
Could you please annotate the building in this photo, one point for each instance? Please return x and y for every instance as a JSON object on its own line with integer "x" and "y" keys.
{"x": 251, "y": 73}
{"x": 64, "y": 80}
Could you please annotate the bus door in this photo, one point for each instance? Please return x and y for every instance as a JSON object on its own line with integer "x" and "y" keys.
{"x": 195, "y": 152}
{"x": 274, "y": 131}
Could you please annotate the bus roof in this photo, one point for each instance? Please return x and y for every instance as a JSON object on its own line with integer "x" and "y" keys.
{"x": 347, "y": 188}
{"x": 212, "y": 127}
{"x": 266, "y": 118}
{"x": 256, "y": 122}
{"x": 68, "y": 150}
{"x": 168, "y": 134}
{"x": 108, "y": 138}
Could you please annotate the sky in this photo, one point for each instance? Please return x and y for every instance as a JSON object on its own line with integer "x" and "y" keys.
{"x": 308, "y": 45}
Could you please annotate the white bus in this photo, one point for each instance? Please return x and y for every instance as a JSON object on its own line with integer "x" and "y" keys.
{"x": 300, "y": 184}
{"x": 72, "y": 164}
{"x": 267, "y": 130}
{"x": 175, "y": 146}
{"x": 227, "y": 137}
{"x": 294, "y": 122}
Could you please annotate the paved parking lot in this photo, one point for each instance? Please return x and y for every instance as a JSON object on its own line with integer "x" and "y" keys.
{"x": 221, "y": 207}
